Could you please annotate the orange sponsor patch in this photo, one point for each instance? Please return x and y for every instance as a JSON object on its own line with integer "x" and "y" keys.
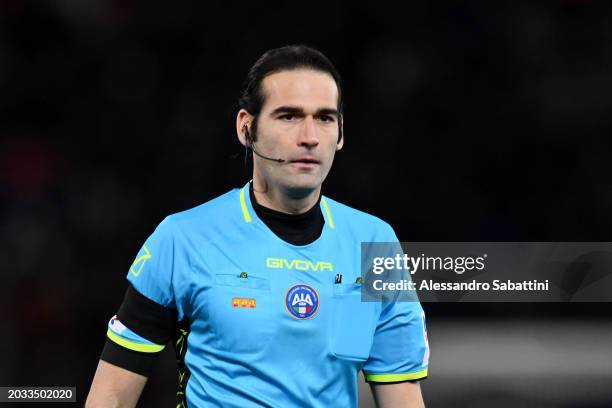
{"x": 244, "y": 302}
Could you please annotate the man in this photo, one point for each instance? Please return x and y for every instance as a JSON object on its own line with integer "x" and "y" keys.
{"x": 262, "y": 284}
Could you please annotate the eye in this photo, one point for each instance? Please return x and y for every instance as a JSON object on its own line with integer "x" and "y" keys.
{"x": 287, "y": 117}
{"x": 326, "y": 118}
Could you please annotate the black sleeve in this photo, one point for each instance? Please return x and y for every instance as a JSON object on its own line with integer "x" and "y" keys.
{"x": 147, "y": 319}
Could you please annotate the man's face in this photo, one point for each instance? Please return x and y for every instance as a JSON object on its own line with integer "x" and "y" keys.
{"x": 298, "y": 122}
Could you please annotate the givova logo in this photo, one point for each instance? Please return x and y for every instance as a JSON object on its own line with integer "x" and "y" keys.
{"x": 140, "y": 261}
{"x": 299, "y": 264}
{"x": 302, "y": 301}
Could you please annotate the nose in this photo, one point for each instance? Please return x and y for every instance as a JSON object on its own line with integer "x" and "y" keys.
{"x": 309, "y": 136}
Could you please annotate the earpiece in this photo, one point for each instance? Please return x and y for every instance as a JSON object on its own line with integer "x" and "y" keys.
{"x": 247, "y": 135}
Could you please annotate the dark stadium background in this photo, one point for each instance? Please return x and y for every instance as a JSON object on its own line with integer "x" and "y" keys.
{"x": 465, "y": 121}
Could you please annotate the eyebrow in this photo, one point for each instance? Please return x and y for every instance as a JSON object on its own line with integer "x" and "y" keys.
{"x": 296, "y": 110}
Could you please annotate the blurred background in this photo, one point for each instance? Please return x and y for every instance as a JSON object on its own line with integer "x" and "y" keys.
{"x": 464, "y": 121}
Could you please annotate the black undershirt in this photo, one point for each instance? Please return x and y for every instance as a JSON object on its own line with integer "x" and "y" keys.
{"x": 296, "y": 229}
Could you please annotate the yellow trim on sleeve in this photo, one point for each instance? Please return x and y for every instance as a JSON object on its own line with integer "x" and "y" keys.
{"x": 329, "y": 217}
{"x": 245, "y": 210}
{"x": 132, "y": 345}
{"x": 417, "y": 375}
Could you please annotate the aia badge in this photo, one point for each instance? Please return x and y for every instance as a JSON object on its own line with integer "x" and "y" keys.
{"x": 302, "y": 301}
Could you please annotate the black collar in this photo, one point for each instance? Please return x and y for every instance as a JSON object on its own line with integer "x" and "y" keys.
{"x": 297, "y": 229}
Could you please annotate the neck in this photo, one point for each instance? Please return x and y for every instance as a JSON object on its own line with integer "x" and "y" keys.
{"x": 283, "y": 201}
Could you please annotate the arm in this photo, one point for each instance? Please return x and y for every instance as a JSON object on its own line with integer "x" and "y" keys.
{"x": 128, "y": 358}
{"x": 398, "y": 395}
{"x": 114, "y": 387}
{"x": 142, "y": 327}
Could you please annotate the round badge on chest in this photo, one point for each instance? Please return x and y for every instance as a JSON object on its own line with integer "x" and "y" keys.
{"x": 302, "y": 301}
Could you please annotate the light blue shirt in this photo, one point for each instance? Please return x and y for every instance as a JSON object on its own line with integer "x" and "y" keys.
{"x": 269, "y": 325}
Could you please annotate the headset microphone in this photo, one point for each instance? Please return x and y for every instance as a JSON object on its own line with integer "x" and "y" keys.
{"x": 251, "y": 145}
{"x": 267, "y": 158}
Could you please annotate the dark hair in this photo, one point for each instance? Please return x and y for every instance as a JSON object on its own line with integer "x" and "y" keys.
{"x": 285, "y": 58}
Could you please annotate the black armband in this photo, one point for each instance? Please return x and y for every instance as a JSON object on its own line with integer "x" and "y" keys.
{"x": 134, "y": 361}
{"x": 147, "y": 319}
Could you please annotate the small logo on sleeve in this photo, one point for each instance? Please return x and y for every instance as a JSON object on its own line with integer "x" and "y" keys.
{"x": 245, "y": 303}
{"x": 302, "y": 301}
{"x": 140, "y": 261}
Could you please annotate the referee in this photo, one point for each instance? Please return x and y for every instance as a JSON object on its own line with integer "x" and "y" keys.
{"x": 259, "y": 288}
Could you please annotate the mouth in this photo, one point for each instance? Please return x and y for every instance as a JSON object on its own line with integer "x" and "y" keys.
{"x": 306, "y": 164}
{"x": 305, "y": 161}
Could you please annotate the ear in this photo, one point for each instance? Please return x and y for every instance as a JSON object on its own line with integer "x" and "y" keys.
{"x": 341, "y": 142}
{"x": 243, "y": 118}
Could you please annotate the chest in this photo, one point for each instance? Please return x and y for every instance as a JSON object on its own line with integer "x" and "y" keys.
{"x": 274, "y": 300}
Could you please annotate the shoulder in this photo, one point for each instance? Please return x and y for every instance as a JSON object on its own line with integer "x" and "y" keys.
{"x": 221, "y": 211}
{"x": 357, "y": 222}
